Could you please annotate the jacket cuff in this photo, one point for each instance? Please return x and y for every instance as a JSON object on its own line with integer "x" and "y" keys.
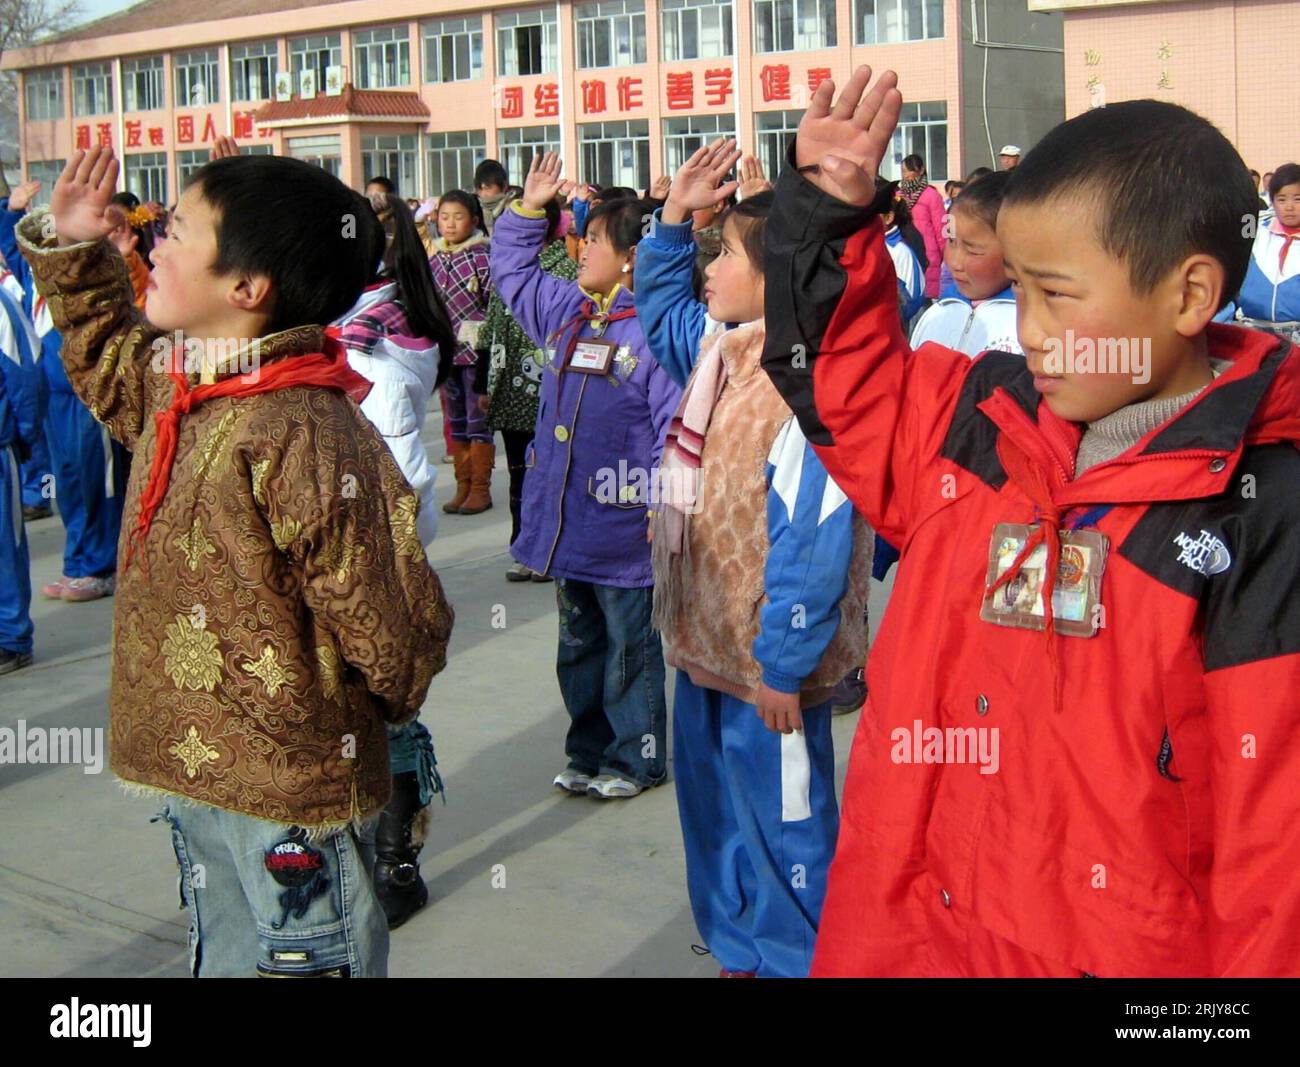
{"x": 71, "y": 268}
{"x": 671, "y": 233}
{"x": 814, "y": 215}
{"x": 782, "y": 683}
{"x": 517, "y": 206}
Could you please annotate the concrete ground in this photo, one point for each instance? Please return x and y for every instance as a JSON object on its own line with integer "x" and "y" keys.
{"x": 88, "y": 888}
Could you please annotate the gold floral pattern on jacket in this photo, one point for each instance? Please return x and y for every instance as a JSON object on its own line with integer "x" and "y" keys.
{"x": 190, "y": 655}
{"x": 193, "y": 752}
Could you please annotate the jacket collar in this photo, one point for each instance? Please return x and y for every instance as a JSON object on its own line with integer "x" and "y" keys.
{"x": 616, "y": 296}
{"x": 1194, "y": 455}
{"x": 445, "y": 247}
{"x": 262, "y": 351}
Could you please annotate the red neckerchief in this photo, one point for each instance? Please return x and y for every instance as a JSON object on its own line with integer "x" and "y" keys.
{"x": 1289, "y": 234}
{"x": 327, "y": 370}
{"x": 598, "y": 320}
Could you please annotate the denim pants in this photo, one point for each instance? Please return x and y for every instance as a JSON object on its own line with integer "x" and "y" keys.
{"x": 611, "y": 670}
{"x": 266, "y": 901}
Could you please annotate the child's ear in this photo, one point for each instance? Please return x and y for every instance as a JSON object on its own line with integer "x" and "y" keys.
{"x": 1203, "y": 284}
{"x": 252, "y": 293}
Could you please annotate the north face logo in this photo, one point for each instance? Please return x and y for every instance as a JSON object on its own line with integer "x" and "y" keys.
{"x": 1206, "y": 554}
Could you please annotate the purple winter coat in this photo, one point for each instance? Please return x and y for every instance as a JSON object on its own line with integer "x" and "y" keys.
{"x": 597, "y": 439}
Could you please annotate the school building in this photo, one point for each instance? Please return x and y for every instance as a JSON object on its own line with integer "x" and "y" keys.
{"x": 422, "y": 90}
{"x": 1233, "y": 61}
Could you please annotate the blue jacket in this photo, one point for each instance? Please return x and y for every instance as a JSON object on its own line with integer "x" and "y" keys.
{"x": 20, "y": 388}
{"x": 592, "y": 430}
{"x": 50, "y": 363}
{"x": 1270, "y": 292}
{"x": 911, "y": 278}
{"x": 809, "y": 521}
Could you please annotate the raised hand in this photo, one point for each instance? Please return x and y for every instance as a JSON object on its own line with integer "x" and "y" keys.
{"x": 224, "y": 148}
{"x": 123, "y": 238}
{"x": 846, "y": 142}
{"x": 659, "y": 187}
{"x": 752, "y": 179}
{"x": 82, "y": 194}
{"x": 21, "y": 196}
{"x": 697, "y": 185}
{"x": 582, "y": 192}
{"x": 544, "y": 183}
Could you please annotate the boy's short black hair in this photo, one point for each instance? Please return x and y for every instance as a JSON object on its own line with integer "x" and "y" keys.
{"x": 982, "y": 198}
{"x": 625, "y": 221}
{"x": 1166, "y": 182}
{"x": 490, "y": 172}
{"x": 296, "y": 224}
{"x": 978, "y": 173}
{"x": 384, "y": 183}
{"x": 1286, "y": 174}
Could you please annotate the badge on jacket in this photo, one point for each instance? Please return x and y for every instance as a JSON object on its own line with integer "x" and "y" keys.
{"x": 1076, "y": 593}
{"x": 625, "y": 363}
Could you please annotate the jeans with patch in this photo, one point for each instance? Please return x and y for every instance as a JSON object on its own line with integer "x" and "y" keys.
{"x": 266, "y": 901}
{"x": 611, "y": 669}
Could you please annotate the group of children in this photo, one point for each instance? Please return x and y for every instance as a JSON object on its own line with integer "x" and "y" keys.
{"x": 1080, "y": 739}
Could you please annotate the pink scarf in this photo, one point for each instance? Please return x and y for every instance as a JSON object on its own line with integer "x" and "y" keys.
{"x": 679, "y": 481}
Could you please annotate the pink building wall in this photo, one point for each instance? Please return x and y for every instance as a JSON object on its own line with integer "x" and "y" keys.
{"x": 929, "y": 69}
{"x": 1233, "y": 62}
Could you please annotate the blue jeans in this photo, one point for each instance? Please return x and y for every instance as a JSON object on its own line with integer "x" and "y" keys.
{"x": 266, "y": 901}
{"x": 611, "y": 670}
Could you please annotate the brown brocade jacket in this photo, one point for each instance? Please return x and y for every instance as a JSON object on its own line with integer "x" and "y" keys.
{"x": 281, "y": 609}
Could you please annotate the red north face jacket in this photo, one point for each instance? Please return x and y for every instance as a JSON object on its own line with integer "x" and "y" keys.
{"x": 1146, "y": 821}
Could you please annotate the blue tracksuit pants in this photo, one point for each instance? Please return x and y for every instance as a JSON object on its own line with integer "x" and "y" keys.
{"x": 759, "y": 821}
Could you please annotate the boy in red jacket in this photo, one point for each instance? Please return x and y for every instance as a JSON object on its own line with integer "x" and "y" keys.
{"x": 1081, "y": 751}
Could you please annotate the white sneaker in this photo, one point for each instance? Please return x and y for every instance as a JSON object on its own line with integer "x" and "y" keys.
{"x": 612, "y": 787}
{"x": 572, "y": 780}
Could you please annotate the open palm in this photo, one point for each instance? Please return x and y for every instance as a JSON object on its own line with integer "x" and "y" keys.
{"x": 847, "y": 141}
{"x": 544, "y": 183}
{"x": 698, "y": 182}
{"x": 81, "y": 197}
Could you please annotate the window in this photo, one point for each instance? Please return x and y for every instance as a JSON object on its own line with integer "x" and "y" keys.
{"x": 146, "y": 176}
{"x": 44, "y": 94}
{"x": 45, "y": 171}
{"x": 252, "y": 70}
{"x": 393, "y": 156}
{"x": 696, "y": 29}
{"x": 381, "y": 58}
{"x": 793, "y": 25}
{"x": 325, "y": 152}
{"x": 92, "y": 89}
{"x": 923, "y": 131}
{"x": 197, "y": 81}
{"x": 453, "y": 157}
{"x": 314, "y": 53}
{"x": 688, "y": 133}
{"x": 453, "y": 49}
{"x": 188, "y": 162}
{"x": 142, "y": 84}
{"x": 776, "y": 129}
{"x": 527, "y": 42}
{"x": 255, "y": 150}
{"x": 890, "y": 21}
{"x": 616, "y": 153}
{"x": 610, "y": 33}
{"x": 517, "y": 146}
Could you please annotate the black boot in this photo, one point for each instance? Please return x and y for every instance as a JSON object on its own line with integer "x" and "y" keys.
{"x": 398, "y": 884}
